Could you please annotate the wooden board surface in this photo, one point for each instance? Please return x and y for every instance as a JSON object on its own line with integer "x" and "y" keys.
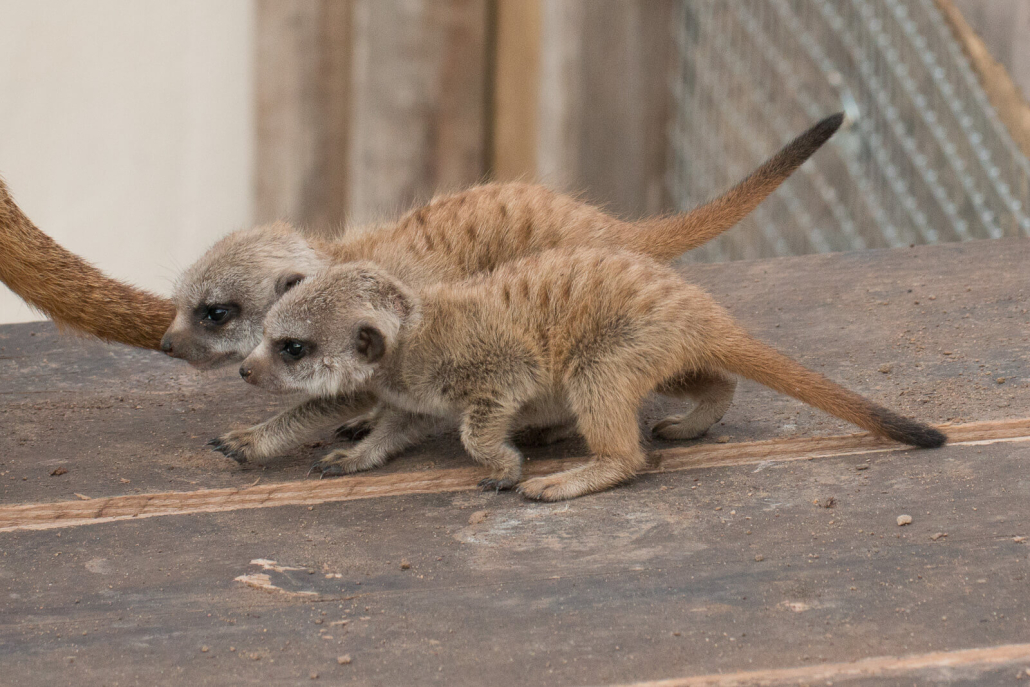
{"x": 726, "y": 563}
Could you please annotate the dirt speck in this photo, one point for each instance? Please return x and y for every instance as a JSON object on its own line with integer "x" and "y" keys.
{"x": 405, "y": 564}
{"x": 759, "y": 558}
{"x": 904, "y": 520}
{"x": 343, "y": 660}
{"x": 939, "y": 535}
{"x": 863, "y": 466}
{"x": 828, "y": 502}
{"x": 886, "y": 368}
{"x": 59, "y": 471}
{"x": 723, "y": 439}
{"x": 479, "y": 517}
{"x": 204, "y": 649}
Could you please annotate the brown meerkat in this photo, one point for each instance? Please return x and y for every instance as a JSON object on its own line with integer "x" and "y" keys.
{"x": 222, "y": 299}
{"x": 572, "y": 334}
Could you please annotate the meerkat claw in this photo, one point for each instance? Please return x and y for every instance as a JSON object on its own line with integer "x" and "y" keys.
{"x": 220, "y": 446}
{"x": 497, "y": 485}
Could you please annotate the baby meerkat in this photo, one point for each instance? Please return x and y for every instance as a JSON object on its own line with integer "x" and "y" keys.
{"x": 582, "y": 334}
{"x": 222, "y": 299}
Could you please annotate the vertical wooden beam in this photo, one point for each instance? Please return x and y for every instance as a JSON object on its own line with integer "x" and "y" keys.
{"x": 625, "y": 71}
{"x": 516, "y": 88}
{"x": 302, "y": 70}
{"x": 419, "y": 101}
{"x": 604, "y": 101}
{"x": 1004, "y": 95}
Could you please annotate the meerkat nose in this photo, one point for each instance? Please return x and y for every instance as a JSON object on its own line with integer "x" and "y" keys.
{"x": 245, "y": 372}
{"x": 166, "y": 345}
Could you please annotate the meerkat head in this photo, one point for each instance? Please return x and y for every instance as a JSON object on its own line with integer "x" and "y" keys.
{"x": 332, "y": 332}
{"x": 222, "y": 299}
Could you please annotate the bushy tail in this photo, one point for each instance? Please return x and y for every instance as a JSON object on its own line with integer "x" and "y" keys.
{"x": 72, "y": 292}
{"x": 744, "y": 355}
{"x": 666, "y": 238}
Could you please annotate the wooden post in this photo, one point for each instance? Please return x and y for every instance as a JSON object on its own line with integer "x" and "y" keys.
{"x": 516, "y": 88}
{"x": 302, "y": 69}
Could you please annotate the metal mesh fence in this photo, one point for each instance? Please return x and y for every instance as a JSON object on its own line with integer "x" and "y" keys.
{"x": 922, "y": 158}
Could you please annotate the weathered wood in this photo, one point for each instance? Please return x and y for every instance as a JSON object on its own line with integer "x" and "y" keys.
{"x": 1005, "y": 96}
{"x": 1004, "y": 26}
{"x": 419, "y": 102}
{"x": 517, "y": 36}
{"x": 302, "y": 73}
{"x": 730, "y": 566}
{"x": 604, "y": 101}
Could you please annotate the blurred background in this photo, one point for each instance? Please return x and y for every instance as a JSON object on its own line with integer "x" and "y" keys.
{"x": 136, "y": 132}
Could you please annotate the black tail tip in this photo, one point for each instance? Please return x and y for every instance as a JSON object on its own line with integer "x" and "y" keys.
{"x": 907, "y": 431}
{"x": 828, "y": 127}
{"x": 928, "y": 437}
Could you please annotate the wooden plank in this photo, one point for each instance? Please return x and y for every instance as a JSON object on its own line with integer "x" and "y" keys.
{"x": 974, "y": 662}
{"x": 302, "y": 71}
{"x": 108, "y": 413}
{"x": 516, "y": 89}
{"x": 653, "y": 581}
{"x": 90, "y": 511}
{"x": 419, "y": 102}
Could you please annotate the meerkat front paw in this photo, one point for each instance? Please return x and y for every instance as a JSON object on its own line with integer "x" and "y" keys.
{"x": 500, "y": 480}
{"x": 242, "y": 445}
{"x": 680, "y": 427}
{"x": 344, "y": 462}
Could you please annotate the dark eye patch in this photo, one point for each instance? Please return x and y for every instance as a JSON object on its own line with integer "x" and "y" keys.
{"x": 217, "y": 314}
{"x": 292, "y": 350}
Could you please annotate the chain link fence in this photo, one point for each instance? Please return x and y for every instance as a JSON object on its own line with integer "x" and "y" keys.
{"x": 922, "y": 157}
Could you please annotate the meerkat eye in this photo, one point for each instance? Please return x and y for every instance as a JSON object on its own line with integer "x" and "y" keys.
{"x": 217, "y": 314}
{"x": 292, "y": 350}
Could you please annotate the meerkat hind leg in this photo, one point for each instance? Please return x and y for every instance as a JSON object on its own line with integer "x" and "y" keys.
{"x": 712, "y": 392}
{"x": 394, "y": 431}
{"x": 612, "y": 432}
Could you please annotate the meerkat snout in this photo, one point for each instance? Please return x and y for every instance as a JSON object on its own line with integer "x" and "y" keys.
{"x": 245, "y": 372}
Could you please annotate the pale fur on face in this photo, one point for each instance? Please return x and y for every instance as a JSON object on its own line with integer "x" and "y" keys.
{"x": 349, "y": 317}
{"x": 247, "y": 271}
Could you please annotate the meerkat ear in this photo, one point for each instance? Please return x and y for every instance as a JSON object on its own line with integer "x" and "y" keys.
{"x": 371, "y": 343}
{"x": 287, "y": 281}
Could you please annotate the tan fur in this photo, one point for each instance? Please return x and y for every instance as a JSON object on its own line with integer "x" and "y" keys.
{"x": 582, "y": 333}
{"x": 78, "y": 296}
{"x": 449, "y": 239}
{"x": 72, "y": 292}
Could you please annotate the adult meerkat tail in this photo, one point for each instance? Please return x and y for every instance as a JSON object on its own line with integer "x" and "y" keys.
{"x": 742, "y": 354}
{"x": 666, "y": 238}
{"x": 72, "y": 292}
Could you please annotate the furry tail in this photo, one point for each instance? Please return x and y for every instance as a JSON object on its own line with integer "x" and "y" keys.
{"x": 666, "y": 238}
{"x": 72, "y": 292}
{"x": 748, "y": 357}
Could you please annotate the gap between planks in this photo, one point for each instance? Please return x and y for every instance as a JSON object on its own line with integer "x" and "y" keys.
{"x": 881, "y": 666}
{"x": 42, "y": 516}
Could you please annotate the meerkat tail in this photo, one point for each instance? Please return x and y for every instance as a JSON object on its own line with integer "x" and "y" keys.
{"x": 72, "y": 292}
{"x": 666, "y": 238}
{"x": 750, "y": 358}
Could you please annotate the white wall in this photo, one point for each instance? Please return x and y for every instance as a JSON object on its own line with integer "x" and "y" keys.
{"x": 126, "y": 129}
